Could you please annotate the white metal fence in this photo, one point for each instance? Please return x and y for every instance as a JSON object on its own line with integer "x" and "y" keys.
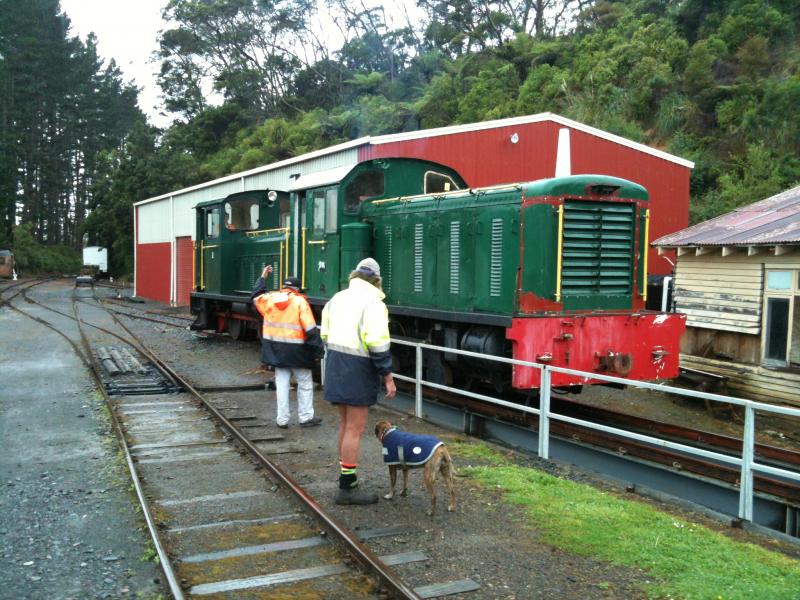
{"x": 746, "y": 462}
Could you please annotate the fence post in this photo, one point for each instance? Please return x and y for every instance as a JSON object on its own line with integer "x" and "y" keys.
{"x": 746, "y": 477}
{"x": 418, "y": 391}
{"x": 544, "y": 414}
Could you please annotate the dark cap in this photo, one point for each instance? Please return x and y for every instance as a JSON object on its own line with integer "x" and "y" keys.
{"x": 292, "y": 282}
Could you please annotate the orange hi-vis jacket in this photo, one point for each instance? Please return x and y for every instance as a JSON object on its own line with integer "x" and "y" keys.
{"x": 289, "y": 336}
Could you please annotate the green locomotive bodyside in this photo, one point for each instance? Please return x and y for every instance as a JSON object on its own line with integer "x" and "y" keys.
{"x": 498, "y": 250}
{"x": 562, "y": 245}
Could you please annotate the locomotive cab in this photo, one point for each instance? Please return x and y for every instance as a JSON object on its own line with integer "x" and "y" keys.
{"x": 235, "y": 238}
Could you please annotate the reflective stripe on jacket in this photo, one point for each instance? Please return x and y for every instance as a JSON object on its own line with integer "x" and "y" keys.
{"x": 355, "y": 327}
{"x": 289, "y": 336}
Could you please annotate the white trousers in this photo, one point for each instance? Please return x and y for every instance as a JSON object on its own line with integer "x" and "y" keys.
{"x": 305, "y": 394}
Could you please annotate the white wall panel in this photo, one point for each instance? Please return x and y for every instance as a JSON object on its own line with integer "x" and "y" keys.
{"x": 154, "y": 222}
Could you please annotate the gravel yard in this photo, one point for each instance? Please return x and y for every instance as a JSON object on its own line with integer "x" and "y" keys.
{"x": 70, "y": 528}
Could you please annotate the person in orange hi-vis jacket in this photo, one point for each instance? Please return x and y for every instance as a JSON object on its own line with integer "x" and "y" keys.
{"x": 290, "y": 342}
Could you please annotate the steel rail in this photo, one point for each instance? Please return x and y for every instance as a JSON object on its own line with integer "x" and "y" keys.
{"x": 164, "y": 561}
{"x": 87, "y": 358}
{"x": 352, "y": 545}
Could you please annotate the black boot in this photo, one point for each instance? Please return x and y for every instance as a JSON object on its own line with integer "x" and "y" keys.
{"x": 354, "y": 495}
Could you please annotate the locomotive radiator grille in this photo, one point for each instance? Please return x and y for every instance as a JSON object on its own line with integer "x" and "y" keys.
{"x": 387, "y": 253}
{"x": 418, "y": 252}
{"x": 455, "y": 256}
{"x": 496, "y": 259}
{"x": 598, "y": 248}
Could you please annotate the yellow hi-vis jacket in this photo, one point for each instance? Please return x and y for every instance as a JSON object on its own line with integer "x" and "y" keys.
{"x": 355, "y": 328}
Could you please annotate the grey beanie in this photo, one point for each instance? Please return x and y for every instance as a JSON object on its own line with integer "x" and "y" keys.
{"x": 369, "y": 266}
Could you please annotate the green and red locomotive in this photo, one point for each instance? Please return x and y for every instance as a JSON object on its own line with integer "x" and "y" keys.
{"x": 551, "y": 271}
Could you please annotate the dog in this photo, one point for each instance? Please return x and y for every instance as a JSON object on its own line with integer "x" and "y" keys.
{"x": 402, "y": 450}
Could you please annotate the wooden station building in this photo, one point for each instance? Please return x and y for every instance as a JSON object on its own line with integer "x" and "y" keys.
{"x": 737, "y": 279}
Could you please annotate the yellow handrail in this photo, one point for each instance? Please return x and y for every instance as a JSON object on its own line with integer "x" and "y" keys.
{"x": 303, "y": 265}
{"x": 287, "y": 252}
{"x": 202, "y": 267}
{"x": 280, "y": 266}
{"x": 560, "y": 250}
{"x": 646, "y": 251}
{"x": 266, "y": 231}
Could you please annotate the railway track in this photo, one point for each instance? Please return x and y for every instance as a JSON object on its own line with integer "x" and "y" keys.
{"x": 225, "y": 519}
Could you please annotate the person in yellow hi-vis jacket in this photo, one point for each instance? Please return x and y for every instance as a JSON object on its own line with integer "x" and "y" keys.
{"x": 355, "y": 328}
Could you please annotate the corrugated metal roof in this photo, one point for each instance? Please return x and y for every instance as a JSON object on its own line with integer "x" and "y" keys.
{"x": 775, "y": 220}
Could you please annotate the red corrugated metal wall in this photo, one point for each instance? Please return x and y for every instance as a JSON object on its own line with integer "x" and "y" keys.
{"x": 184, "y": 251}
{"x": 488, "y": 157}
{"x": 484, "y": 157}
{"x": 153, "y": 271}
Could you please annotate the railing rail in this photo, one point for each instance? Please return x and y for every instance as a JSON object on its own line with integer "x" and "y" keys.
{"x": 746, "y": 461}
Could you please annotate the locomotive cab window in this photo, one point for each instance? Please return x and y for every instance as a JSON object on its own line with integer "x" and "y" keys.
{"x": 781, "y": 339}
{"x": 241, "y": 215}
{"x": 365, "y": 185}
{"x": 438, "y": 182}
{"x": 2, "y": 260}
{"x": 325, "y": 211}
{"x": 212, "y": 223}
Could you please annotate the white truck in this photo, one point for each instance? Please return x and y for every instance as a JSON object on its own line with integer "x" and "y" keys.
{"x": 96, "y": 256}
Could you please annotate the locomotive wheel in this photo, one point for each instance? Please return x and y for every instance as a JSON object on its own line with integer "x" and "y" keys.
{"x": 237, "y": 329}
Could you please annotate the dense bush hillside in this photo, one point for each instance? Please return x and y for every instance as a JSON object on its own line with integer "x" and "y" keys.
{"x": 717, "y": 82}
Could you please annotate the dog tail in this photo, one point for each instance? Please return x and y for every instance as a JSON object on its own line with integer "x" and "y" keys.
{"x": 447, "y": 468}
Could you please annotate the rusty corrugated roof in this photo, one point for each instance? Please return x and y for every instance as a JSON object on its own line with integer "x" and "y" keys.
{"x": 775, "y": 220}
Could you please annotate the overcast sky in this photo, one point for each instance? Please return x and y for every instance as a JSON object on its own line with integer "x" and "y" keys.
{"x": 126, "y": 31}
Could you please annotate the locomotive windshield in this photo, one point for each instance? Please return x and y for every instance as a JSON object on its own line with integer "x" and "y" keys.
{"x": 241, "y": 215}
{"x": 365, "y": 185}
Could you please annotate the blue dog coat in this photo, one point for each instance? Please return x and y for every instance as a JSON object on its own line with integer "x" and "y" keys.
{"x": 403, "y": 448}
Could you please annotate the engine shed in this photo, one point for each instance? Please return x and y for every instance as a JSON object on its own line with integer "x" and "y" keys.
{"x": 488, "y": 153}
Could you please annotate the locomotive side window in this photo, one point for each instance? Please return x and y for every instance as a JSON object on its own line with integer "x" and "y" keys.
{"x": 365, "y": 185}
{"x": 2, "y": 260}
{"x": 212, "y": 223}
{"x": 241, "y": 215}
{"x": 438, "y": 182}
{"x": 330, "y": 211}
{"x": 319, "y": 212}
{"x": 325, "y": 212}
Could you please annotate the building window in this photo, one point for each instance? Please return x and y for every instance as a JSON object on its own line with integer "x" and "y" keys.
{"x": 782, "y": 318}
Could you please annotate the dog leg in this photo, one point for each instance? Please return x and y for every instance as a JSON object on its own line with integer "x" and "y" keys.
{"x": 404, "y": 493}
{"x": 447, "y": 474}
{"x": 392, "y": 481}
{"x": 430, "y": 483}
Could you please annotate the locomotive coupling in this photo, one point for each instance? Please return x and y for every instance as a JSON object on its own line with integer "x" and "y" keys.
{"x": 658, "y": 354}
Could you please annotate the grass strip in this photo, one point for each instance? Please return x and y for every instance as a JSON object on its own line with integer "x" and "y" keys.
{"x": 688, "y": 560}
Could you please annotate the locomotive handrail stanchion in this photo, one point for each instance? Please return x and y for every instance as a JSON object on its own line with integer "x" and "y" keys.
{"x": 303, "y": 260}
{"x": 418, "y": 386}
{"x": 544, "y": 415}
{"x": 559, "y": 251}
{"x": 746, "y": 478}
{"x": 646, "y": 251}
